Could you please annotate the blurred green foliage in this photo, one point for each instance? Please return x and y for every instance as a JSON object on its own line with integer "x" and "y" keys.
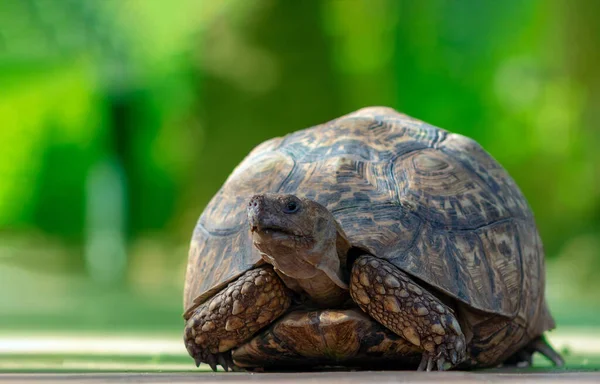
{"x": 119, "y": 120}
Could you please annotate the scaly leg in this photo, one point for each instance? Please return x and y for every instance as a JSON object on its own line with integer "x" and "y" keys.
{"x": 234, "y": 315}
{"x": 524, "y": 357}
{"x": 396, "y": 301}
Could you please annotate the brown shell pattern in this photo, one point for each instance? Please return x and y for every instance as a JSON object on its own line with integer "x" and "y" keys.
{"x": 432, "y": 203}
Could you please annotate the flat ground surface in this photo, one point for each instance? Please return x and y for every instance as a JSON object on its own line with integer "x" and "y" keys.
{"x": 94, "y": 358}
{"x": 320, "y": 377}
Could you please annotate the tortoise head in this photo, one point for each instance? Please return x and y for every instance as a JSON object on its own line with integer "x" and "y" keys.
{"x": 298, "y": 236}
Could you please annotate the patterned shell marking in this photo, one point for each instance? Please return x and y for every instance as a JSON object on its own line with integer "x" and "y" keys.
{"x": 434, "y": 204}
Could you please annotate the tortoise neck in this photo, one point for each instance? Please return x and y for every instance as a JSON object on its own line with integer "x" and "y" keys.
{"x": 323, "y": 291}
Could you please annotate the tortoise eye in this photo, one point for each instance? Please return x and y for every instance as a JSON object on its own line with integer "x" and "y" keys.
{"x": 291, "y": 207}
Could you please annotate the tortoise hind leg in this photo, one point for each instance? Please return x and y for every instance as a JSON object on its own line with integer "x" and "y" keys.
{"x": 396, "y": 301}
{"x": 234, "y": 315}
{"x": 524, "y": 357}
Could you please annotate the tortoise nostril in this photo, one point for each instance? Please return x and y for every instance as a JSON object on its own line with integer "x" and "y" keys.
{"x": 256, "y": 202}
{"x": 255, "y": 211}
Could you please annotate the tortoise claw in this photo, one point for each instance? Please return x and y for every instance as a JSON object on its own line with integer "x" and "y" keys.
{"x": 428, "y": 360}
{"x": 426, "y": 363}
{"x": 440, "y": 364}
{"x": 223, "y": 361}
{"x": 215, "y": 359}
{"x": 210, "y": 360}
{"x": 454, "y": 357}
{"x": 429, "y": 364}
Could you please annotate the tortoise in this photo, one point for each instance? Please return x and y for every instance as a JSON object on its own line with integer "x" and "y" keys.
{"x": 373, "y": 239}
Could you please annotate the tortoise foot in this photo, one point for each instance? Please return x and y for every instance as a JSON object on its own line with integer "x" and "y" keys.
{"x": 396, "y": 301}
{"x": 428, "y": 360}
{"x": 233, "y": 316}
{"x": 524, "y": 357}
{"x": 442, "y": 360}
{"x": 215, "y": 359}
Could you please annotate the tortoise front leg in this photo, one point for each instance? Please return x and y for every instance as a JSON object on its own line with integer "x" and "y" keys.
{"x": 396, "y": 301}
{"x": 234, "y": 315}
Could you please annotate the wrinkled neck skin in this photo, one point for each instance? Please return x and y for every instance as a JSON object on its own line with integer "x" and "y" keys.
{"x": 323, "y": 290}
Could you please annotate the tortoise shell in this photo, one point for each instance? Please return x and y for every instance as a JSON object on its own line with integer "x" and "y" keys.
{"x": 433, "y": 203}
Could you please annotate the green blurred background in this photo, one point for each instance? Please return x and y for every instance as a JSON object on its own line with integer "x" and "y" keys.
{"x": 119, "y": 120}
